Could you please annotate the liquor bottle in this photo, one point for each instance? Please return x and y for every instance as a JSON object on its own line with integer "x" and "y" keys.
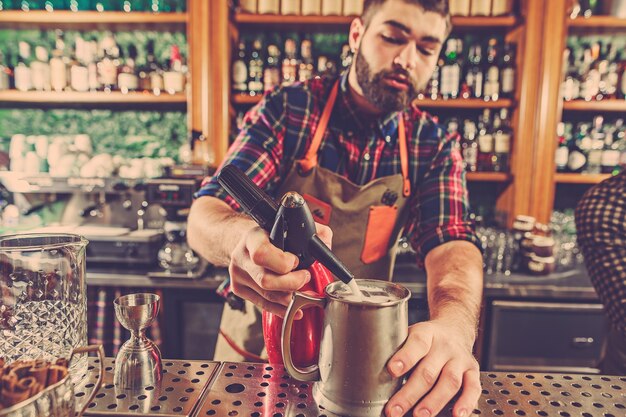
{"x": 502, "y": 141}
{"x": 127, "y": 79}
{"x": 40, "y": 69}
{"x": 255, "y": 69}
{"x": 609, "y": 76}
{"x": 331, "y": 7}
{"x": 345, "y": 58}
{"x": 174, "y": 78}
{"x": 79, "y": 72}
{"x": 621, "y": 92}
{"x": 481, "y": 8}
{"x": 451, "y": 70}
{"x": 156, "y": 6}
{"x": 352, "y": 7}
{"x": 432, "y": 89}
{"x": 594, "y": 152}
{"x": 79, "y": 5}
{"x": 305, "y": 69}
{"x": 247, "y": 6}
{"x": 133, "y": 5}
{"x": 325, "y": 67}
{"x": 459, "y": 7}
{"x": 28, "y": 5}
{"x": 311, "y": 7}
{"x": 611, "y": 153}
{"x": 577, "y": 159}
{"x": 491, "y": 88}
{"x": 590, "y": 86}
{"x": 105, "y": 5}
{"x": 570, "y": 89}
{"x": 290, "y": 62}
{"x": 5, "y": 73}
{"x": 474, "y": 78}
{"x": 588, "y": 8}
{"x": 108, "y": 66}
{"x": 93, "y": 76}
{"x": 268, "y": 7}
{"x": 290, "y": 7}
{"x": 469, "y": 146}
{"x": 271, "y": 71}
{"x": 561, "y": 154}
{"x": 155, "y": 72}
{"x": 501, "y": 7}
{"x": 240, "y": 70}
{"x": 485, "y": 142}
{"x": 52, "y": 5}
{"x": 23, "y": 75}
{"x": 507, "y": 72}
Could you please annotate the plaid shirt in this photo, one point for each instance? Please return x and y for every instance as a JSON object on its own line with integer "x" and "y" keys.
{"x": 601, "y": 230}
{"x": 279, "y": 129}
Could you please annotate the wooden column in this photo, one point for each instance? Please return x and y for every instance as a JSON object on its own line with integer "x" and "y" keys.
{"x": 549, "y": 108}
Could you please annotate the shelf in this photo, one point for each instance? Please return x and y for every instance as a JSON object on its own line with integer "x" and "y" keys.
{"x": 598, "y": 22}
{"x": 87, "y": 20}
{"x": 488, "y": 176}
{"x": 453, "y": 104}
{"x": 75, "y": 97}
{"x": 339, "y": 21}
{"x": 580, "y": 178}
{"x": 613, "y": 105}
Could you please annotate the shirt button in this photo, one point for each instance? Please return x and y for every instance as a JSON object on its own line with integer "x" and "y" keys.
{"x": 366, "y": 156}
{"x": 387, "y": 138}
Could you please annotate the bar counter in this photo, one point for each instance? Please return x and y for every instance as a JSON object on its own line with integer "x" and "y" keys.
{"x": 204, "y": 388}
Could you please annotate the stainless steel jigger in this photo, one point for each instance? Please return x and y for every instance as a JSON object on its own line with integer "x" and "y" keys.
{"x": 138, "y": 363}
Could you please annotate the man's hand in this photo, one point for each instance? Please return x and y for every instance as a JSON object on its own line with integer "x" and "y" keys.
{"x": 440, "y": 354}
{"x": 264, "y": 274}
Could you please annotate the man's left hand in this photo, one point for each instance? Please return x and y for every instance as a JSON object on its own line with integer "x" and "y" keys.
{"x": 442, "y": 357}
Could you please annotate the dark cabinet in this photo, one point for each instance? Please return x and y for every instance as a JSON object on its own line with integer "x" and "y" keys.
{"x": 544, "y": 336}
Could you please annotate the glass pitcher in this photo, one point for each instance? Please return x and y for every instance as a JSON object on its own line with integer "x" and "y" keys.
{"x": 43, "y": 299}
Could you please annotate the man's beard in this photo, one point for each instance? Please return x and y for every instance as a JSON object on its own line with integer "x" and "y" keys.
{"x": 386, "y": 98}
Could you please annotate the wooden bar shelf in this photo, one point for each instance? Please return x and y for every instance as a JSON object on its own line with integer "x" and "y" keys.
{"x": 611, "y": 105}
{"x": 270, "y": 19}
{"x": 580, "y": 178}
{"x": 428, "y": 103}
{"x": 599, "y": 22}
{"x": 76, "y": 97}
{"x": 89, "y": 17}
{"x": 488, "y": 176}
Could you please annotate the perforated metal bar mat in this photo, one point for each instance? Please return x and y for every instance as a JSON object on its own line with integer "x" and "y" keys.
{"x": 178, "y": 394}
{"x": 261, "y": 390}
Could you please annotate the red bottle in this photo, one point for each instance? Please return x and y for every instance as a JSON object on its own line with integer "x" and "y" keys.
{"x": 306, "y": 333}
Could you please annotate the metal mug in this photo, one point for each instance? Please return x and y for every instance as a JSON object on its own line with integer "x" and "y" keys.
{"x": 358, "y": 339}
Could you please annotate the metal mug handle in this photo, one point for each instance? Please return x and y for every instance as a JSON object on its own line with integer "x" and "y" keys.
{"x": 298, "y": 302}
{"x": 100, "y": 352}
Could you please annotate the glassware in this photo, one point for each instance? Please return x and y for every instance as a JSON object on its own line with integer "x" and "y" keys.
{"x": 43, "y": 299}
{"x": 138, "y": 363}
{"x": 176, "y": 255}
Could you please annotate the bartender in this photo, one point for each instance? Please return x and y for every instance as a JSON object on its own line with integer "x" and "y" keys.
{"x": 371, "y": 166}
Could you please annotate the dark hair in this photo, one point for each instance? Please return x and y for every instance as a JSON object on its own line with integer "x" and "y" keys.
{"x": 435, "y": 6}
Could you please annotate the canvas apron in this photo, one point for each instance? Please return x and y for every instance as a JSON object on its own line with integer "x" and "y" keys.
{"x": 366, "y": 221}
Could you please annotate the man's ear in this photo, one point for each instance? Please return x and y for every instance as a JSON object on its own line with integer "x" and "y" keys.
{"x": 356, "y": 34}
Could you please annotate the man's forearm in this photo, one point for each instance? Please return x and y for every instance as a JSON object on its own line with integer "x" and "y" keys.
{"x": 214, "y": 229}
{"x": 455, "y": 284}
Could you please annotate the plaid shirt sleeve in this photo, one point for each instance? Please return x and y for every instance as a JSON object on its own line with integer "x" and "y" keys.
{"x": 440, "y": 213}
{"x": 601, "y": 234}
{"x": 257, "y": 150}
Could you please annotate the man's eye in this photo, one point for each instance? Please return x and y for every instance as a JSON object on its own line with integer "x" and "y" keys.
{"x": 425, "y": 51}
{"x": 394, "y": 41}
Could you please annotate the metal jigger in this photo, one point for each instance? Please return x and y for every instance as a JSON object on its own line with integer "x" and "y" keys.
{"x": 138, "y": 363}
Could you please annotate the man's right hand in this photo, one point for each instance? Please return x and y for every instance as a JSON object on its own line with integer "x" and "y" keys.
{"x": 264, "y": 274}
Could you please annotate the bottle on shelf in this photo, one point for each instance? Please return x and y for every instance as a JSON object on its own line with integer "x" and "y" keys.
{"x": 79, "y": 72}
{"x": 93, "y": 75}
{"x": 610, "y": 163}
{"x": 127, "y": 79}
{"x": 331, "y": 7}
{"x": 109, "y": 64}
{"x": 240, "y": 70}
{"x": 52, "y": 5}
{"x": 491, "y": 89}
{"x": 451, "y": 70}
{"x": 23, "y": 74}
{"x": 311, "y": 7}
{"x": 155, "y": 72}
{"x": 474, "y": 78}
{"x": 268, "y": 7}
{"x": 105, "y": 5}
{"x": 561, "y": 154}
{"x": 174, "y": 77}
{"x": 305, "y": 69}
{"x": 507, "y": 71}
{"x": 485, "y": 142}
{"x": 40, "y": 69}
{"x": 577, "y": 159}
{"x": 255, "y": 69}
{"x": 594, "y": 151}
{"x": 345, "y": 58}
{"x": 469, "y": 146}
{"x": 290, "y": 62}
{"x": 6, "y": 74}
{"x": 502, "y": 141}
{"x": 79, "y": 5}
{"x": 480, "y": 8}
{"x": 271, "y": 71}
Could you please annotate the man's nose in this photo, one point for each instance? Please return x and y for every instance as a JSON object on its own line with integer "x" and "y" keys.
{"x": 407, "y": 58}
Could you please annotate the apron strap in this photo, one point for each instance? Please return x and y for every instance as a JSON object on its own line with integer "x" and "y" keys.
{"x": 310, "y": 159}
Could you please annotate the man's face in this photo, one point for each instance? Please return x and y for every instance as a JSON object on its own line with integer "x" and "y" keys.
{"x": 396, "y": 53}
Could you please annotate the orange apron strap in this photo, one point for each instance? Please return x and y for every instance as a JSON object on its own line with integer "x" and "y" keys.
{"x": 404, "y": 157}
{"x": 310, "y": 159}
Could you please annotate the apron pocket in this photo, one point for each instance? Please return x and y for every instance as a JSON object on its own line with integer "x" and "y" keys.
{"x": 321, "y": 211}
{"x": 380, "y": 224}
